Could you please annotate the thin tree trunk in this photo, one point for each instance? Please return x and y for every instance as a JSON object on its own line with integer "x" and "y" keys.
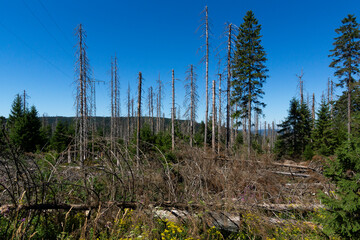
{"x": 139, "y": 117}
{"x": 128, "y": 113}
{"x": 173, "y": 112}
{"x": 249, "y": 122}
{"x": 192, "y": 105}
{"x": 228, "y": 88}
{"x": 213, "y": 118}
{"x": 207, "y": 75}
{"x": 220, "y": 115}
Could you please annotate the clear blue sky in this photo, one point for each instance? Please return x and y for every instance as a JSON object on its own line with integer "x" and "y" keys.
{"x": 37, "y": 47}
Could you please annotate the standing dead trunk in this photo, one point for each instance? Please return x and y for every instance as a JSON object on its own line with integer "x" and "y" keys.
{"x": 206, "y": 75}
{"x": 128, "y": 114}
{"x": 138, "y": 117}
{"x": 158, "y": 105}
{"x": 265, "y": 135}
{"x": 228, "y": 87}
{"x": 173, "y": 112}
{"x": 301, "y": 86}
{"x": 213, "y": 143}
{"x": 220, "y": 115}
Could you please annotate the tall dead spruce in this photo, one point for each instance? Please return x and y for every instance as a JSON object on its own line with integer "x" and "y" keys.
{"x": 115, "y": 103}
{"x": 220, "y": 114}
{"x": 230, "y": 43}
{"x": 191, "y": 100}
{"x": 159, "y": 104}
{"x": 173, "y": 111}
{"x": 83, "y": 95}
{"x": 205, "y": 27}
{"x": 138, "y": 117}
{"x": 213, "y": 143}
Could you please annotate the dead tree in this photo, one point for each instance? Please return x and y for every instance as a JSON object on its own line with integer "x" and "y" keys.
{"x": 173, "y": 112}
{"x": 83, "y": 85}
{"x": 128, "y": 113}
{"x": 138, "y": 117}
{"x": 213, "y": 142}
{"x": 220, "y": 114}
{"x": 115, "y": 104}
{"x": 301, "y": 86}
{"x": 151, "y": 108}
{"x": 159, "y": 103}
{"x": 205, "y": 27}
{"x": 191, "y": 100}
{"x": 230, "y": 43}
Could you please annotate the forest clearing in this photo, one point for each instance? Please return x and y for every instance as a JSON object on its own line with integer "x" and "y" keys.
{"x": 210, "y": 166}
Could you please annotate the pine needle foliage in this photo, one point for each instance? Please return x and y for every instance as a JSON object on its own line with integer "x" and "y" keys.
{"x": 249, "y": 70}
{"x": 342, "y": 214}
{"x": 346, "y": 58}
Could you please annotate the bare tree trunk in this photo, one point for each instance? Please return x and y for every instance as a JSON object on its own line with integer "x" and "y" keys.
{"x": 173, "y": 112}
{"x": 158, "y": 103}
{"x": 82, "y": 95}
{"x": 128, "y": 113}
{"x": 213, "y": 143}
{"x": 152, "y": 109}
{"x": 192, "y": 104}
{"x": 139, "y": 117}
{"x": 206, "y": 75}
{"x": 301, "y": 85}
{"x": 273, "y": 135}
{"x": 256, "y": 126}
{"x": 228, "y": 87}
{"x": 220, "y": 115}
{"x": 265, "y": 133}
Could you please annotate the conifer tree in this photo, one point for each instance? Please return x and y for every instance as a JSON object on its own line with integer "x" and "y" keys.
{"x": 346, "y": 58}
{"x": 294, "y": 131}
{"x": 249, "y": 71}
{"x": 341, "y": 216}
{"x": 60, "y": 140}
{"x": 24, "y": 126}
{"x": 323, "y": 136}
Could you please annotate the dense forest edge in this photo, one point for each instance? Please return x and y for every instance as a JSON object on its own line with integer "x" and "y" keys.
{"x": 144, "y": 176}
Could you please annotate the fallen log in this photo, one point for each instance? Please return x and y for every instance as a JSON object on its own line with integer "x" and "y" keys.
{"x": 165, "y": 205}
{"x": 291, "y": 174}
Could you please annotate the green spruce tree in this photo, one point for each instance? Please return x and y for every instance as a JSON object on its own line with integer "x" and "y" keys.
{"x": 346, "y": 58}
{"x": 249, "y": 71}
{"x": 295, "y": 131}
{"x": 341, "y": 216}
{"x": 61, "y": 137}
{"x": 324, "y": 140}
{"x": 24, "y": 126}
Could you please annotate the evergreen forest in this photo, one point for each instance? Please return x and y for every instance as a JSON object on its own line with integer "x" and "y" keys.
{"x": 137, "y": 174}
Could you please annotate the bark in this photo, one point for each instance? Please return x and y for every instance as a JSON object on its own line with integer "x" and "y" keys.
{"x": 220, "y": 115}
{"x": 206, "y": 75}
{"x": 139, "y": 117}
{"x": 213, "y": 143}
{"x": 173, "y": 112}
{"x": 228, "y": 87}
